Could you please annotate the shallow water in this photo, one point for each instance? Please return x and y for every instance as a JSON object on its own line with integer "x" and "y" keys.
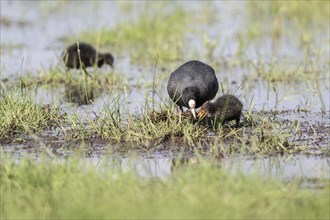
{"x": 40, "y": 47}
{"x": 32, "y": 42}
{"x": 284, "y": 167}
{"x": 164, "y": 164}
{"x": 311, "y": 163}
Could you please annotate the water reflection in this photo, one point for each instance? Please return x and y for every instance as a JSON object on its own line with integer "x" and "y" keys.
{"x": 166, "y": 164}
{"x": 80, "y": 94}
{"x": 280, "y": 167}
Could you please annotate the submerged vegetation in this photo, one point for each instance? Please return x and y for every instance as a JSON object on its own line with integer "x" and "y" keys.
{"x": 76, "y": 189}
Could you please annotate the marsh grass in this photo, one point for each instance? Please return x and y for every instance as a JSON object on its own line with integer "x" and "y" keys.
{"x": 163, "y": 123}
{"x": 159, "y": 34}
{"x": 157, "y": 124}
{"x": 76, "y": 189}
{"x": 108, "y": 124}
{"x": 160, "y": 124}
{"x": 268, "y": 137}
{"x": 293, "y": 19}
{"x": 290, "y": 39}
{"x": 21, "y": 113}
{"x": 288, "y": 71}
{"x": 98, "y": 79}
{"x": 78, "y": 87}
{"x": 162, "y": 34}
{"x": 299, "y": 13}
{"x": 284, "y": 71}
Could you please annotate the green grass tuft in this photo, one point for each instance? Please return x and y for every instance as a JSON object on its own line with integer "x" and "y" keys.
{"x": 21, "y": 113}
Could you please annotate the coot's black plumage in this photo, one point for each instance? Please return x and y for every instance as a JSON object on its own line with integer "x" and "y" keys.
{"x": 192, "y": 84}
{"x": 88, "y": 56}
{"x": 226, "y": 108}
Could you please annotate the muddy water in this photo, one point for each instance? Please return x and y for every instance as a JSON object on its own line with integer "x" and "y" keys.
{"x": 31, "y": 35}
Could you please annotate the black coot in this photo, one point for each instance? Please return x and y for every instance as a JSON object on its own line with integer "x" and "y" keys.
{"x": 192, "y": 84}
{"x": 88, "y": 56}
{"x": 226, "y": 107}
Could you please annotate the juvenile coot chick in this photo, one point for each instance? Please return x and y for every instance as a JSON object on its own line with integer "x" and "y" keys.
{"x": 88, "y": 56}
{"x": 192, "y": 84}
{"x": 226, "y": 107}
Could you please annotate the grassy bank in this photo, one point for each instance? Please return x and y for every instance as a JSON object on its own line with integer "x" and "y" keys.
{"x": 73, "y": 189}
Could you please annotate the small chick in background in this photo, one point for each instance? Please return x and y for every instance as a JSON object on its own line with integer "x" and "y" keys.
{"x": 85, "y": 54}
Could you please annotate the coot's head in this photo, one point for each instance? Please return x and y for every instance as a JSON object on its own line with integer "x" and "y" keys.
{"x": 108, "y": 59}
{"x": 190, "y": 96}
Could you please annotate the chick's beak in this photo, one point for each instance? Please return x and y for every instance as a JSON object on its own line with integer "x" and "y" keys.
{"x": 202, "y": 113}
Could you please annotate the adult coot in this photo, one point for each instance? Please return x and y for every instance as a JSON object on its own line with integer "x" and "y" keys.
{"x": 192, "y": 84}
{"x": 88, "y": 56}
{"x": 226, "y": 107}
